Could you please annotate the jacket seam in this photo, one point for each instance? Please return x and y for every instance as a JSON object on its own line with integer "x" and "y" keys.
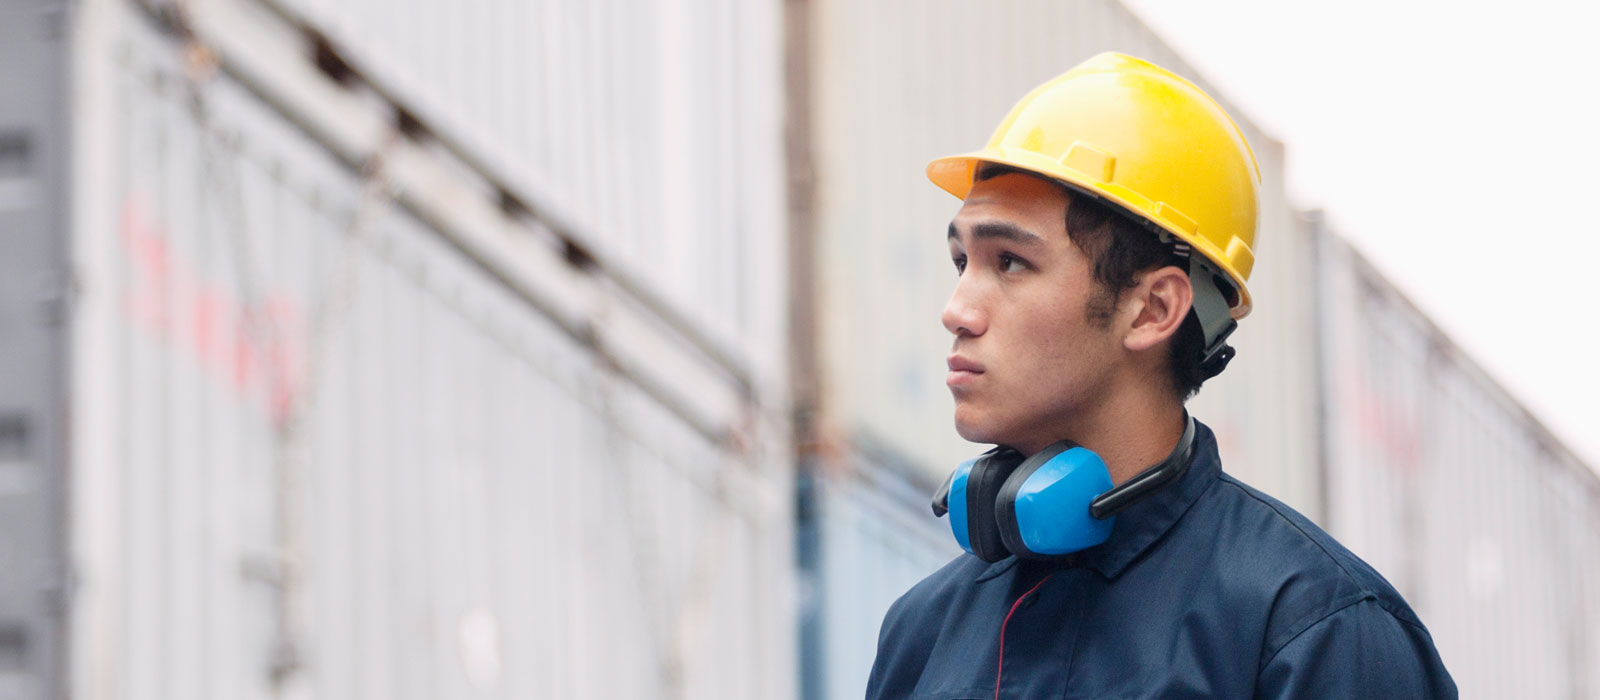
{"x": 1279, "y": 514}
{"x": 1274, "y": 655}
{"x": 1366, "y": 593}
{"x": 1336, "y": 611}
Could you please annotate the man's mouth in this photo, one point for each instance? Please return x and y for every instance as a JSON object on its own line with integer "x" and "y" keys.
{"x": 962, "y": 371}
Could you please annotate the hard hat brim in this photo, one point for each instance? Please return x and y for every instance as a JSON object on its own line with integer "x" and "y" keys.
{"x": 954, "y": 174}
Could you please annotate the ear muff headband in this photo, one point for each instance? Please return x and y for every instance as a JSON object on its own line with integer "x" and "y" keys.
{"x": 1150, "y": 480}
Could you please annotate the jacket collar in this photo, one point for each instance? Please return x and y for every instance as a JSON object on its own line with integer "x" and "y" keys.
{"x": 1142, "y": 524}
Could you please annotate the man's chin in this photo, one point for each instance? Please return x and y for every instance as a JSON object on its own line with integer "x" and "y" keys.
{"x": 977, "y": 430}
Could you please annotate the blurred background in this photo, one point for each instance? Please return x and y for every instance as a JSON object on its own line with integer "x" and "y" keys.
{"x": 590, "y": 348}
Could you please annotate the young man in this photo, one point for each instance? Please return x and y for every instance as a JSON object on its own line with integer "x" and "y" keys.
{"x": 1102, "y": 251}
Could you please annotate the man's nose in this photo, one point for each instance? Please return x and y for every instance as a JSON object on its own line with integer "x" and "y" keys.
{"x": 963, "y": 313}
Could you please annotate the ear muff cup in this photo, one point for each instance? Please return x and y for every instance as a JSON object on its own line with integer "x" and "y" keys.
{"x": 1043, "y": 509}
{"x": 984, "y": 482}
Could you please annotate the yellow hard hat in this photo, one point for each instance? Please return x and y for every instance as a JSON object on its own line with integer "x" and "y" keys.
{"x": 1137, "y": 135}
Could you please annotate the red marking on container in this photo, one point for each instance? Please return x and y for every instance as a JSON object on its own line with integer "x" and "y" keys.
{"x": 253, "y": 350}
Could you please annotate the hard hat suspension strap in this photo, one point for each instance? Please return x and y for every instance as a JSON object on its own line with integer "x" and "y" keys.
{"x": 1211, "y": 310}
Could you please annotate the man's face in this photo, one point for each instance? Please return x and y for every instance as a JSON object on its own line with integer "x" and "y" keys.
{"x": 1028, "y": 362}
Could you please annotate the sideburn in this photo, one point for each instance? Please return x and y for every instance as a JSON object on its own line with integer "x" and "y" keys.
{"x": 1101, "y": 307}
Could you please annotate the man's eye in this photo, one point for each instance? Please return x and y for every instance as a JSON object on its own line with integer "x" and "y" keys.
{"x": 961, "y": 263}
{"x": 1011, "y": 263}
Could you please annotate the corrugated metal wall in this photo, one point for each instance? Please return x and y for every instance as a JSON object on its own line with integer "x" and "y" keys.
{"x": 896, "y": 84}
{"x": 638, "y": 120}
{"x": 1440, "y": 480}
{"x": 318, "y": 437}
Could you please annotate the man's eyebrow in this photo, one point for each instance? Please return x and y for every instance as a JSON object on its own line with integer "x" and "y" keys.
{"x": 1000, "y": 230}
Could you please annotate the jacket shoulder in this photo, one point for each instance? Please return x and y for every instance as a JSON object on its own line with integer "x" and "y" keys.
{"x": 911, "y": 628}
{"x": 1308, "y": 573}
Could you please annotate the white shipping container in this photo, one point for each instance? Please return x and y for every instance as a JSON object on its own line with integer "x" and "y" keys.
{"x": 341, "y": 427}
{"x": 1438, "y": 478}
{"x": 901, "y": 82}
{"x": 639, "y": 122}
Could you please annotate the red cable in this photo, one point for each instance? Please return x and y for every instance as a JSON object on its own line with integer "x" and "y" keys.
{"x": 1002, "y": 665}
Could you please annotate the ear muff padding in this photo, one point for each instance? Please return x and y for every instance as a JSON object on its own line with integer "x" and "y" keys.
{"x": 984, "y": 482}
{"x": 1006, "y": 499}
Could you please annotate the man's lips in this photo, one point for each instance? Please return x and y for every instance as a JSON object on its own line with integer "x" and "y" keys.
{"x": 957, "y": 363}
{"x": 962, "y": 371}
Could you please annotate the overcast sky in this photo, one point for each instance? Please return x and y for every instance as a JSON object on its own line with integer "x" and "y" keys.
{"x": 1456, "y": 145}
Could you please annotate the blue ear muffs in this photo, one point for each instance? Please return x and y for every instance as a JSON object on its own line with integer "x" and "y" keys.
{"x": 1051, "y": 504}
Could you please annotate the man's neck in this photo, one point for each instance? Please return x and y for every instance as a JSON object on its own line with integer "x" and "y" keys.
{"x": 1141, "y": 439}
{"x": 1131, "y": 431}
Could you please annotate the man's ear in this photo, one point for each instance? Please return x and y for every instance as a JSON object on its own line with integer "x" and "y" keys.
{"x": 1157, "y": 304}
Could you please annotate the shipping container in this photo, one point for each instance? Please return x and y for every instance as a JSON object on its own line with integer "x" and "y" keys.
{"x": 1441, "y": 480}
{"x": 893, "y": 85}
{"x": 311, "y": 403}
{"x": 638, "y": 122}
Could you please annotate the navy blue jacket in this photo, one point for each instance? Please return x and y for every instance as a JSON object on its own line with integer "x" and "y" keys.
{"x": 1207, "y": 589}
